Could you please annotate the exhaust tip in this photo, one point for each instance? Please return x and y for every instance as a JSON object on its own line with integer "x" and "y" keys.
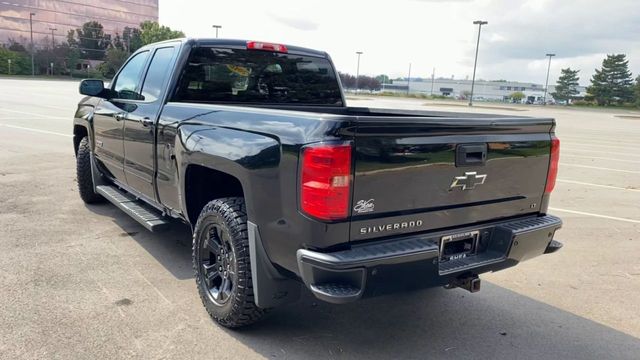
{"x": 474, "y": 285}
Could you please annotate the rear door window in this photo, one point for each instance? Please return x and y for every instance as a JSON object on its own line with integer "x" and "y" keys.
{"x": 157, "y": 74}
{"x": 257, "y": 77}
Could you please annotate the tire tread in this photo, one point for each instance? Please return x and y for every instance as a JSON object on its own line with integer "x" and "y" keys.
{"x": 243, "y": 311}
{"x": 83, "y": 174}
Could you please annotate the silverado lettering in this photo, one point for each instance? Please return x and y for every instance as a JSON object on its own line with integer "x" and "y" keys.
{"x": 389, "y": 227}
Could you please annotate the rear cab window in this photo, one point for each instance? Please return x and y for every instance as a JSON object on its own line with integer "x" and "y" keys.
{"x": 225, "y": 75}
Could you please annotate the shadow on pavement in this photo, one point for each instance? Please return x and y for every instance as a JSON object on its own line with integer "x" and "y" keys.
{"x": 171, "y": 247}
{"x": 433, "y": 323}
{"x": 436, "y": 323}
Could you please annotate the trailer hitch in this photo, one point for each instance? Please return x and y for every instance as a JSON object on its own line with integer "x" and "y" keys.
{"x": 471, "y": 283}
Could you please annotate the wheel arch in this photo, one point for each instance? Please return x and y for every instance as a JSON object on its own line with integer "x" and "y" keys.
{"x": 219, "y": 162}
{"x": 79, "y": 132}
{"x": 83, "y": 121}
{"x": 203, "y": 184}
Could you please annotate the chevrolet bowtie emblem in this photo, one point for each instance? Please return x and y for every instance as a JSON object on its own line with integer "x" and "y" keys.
{"x": 468, "y": 181}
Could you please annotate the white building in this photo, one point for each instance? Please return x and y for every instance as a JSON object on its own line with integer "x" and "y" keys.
{"x": 483, "y": 90}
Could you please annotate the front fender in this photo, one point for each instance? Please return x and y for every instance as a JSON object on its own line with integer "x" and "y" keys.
{"x": 83, "y": 118}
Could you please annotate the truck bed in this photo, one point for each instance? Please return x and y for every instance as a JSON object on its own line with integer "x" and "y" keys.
{"x": 406, "y": 162}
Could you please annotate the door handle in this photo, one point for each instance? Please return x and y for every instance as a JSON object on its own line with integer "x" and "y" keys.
{"x": 120, "y": 116}
{"x": 146, "y": 122}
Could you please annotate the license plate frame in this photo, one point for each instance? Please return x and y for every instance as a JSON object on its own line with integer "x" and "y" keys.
{"x": 468, "y": 240}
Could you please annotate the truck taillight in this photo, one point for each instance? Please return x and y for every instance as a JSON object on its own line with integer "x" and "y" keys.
{"x": 326, "y": 181}
{"x": 259, "y": 45}
{"x": 553, "y": 164}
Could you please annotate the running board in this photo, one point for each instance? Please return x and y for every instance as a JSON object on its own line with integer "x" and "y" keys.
{"x": 140, "y": 211}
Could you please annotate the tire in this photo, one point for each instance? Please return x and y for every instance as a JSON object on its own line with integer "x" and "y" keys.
{"x": 221, "y": 263}
{"x": 83, "y": 173}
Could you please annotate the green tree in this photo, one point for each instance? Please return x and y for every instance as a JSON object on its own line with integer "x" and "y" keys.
{"x": 151, "y": 31}
{"x": 91, "y": 40}
{"x": 383, "y": 79}
{"x": 71, "y": 38}
{"x": 566, "y": 87}
{"x": 118, "y": 42}
{"x": 348, "y": 81}
{"x": 636, "y": 90}
{"x": 517, "y": 96}
{"x": 131, "y": 38}
{"x": 369, "y": 83}
{"x": 114, "y": 59}
{"x": 20, "y": 62}
{"x": 16, "y": 46}
{"x": 72, "y": 58}
{"x": 613, "y": 81}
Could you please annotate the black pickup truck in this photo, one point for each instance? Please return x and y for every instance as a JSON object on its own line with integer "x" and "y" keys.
{"x": 286, "y": 187}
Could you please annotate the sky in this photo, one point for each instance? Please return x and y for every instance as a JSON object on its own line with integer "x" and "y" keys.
{"x": 430, "y": 34}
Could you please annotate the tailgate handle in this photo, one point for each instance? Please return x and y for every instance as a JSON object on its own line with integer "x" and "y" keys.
{"x": 471, "y": 154}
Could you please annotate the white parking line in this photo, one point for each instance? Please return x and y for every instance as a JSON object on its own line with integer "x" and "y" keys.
{"x": 600, "y": 168}
{"x": 35, "y": 114}
{"x": 569, "y": 144}
{"x": 563, "y": 150}
{"x": 36, "y": 130}
{"x": 597, "y": 141}
{"x": 595, "y": 215}
{"x": 596, "y": 185}
{"x": 66, "y": 109}
{"x": 600, "y": 158}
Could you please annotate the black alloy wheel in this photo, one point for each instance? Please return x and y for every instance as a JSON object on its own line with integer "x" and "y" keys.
{"x": 217, "y": 264}
{"x": 222, "y": 265}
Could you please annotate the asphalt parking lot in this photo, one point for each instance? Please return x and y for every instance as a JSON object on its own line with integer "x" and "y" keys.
{"x": 82, "y": 281}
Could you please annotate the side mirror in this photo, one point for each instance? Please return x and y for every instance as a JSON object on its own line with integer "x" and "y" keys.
{"x": 92, "y": 87}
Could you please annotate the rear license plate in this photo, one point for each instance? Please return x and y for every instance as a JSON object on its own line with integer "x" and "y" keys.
{"x": 458, "y": 246}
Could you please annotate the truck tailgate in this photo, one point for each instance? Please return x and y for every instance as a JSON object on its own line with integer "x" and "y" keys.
{"x": 415, "y": 174}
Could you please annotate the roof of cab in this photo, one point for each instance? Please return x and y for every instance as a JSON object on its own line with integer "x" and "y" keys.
{"x": 240, "y": 44}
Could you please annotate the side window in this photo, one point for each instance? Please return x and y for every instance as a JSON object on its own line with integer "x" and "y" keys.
{"x": 129, "y": 77}
{"x": 157, "y": 74}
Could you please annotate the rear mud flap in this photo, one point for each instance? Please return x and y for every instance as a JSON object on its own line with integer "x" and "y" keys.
{"x": 270, "y": 288}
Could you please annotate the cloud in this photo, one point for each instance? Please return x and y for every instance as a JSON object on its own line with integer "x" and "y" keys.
{"x": 436, "y": 33}
{"x": 514, "y": 43}
{"x": 296, "y": 23}
{"x": 534, "y": 28}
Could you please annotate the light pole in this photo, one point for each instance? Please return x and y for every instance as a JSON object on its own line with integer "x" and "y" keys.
{"x": 473, "y": 79}
{"x": 53, "y": 47}
{"x": 433, "y": 76}
{"x": 546, "y": 84}
{"x": 33, "y": 69}
{"x": 217, "y": 27}
{"x": 358, "y": 70}
{"x": 409, "y": 79}
{"x": 53, "y": 42}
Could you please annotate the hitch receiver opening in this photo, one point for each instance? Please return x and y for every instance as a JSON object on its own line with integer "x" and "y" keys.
{"x": 470, "y": 283}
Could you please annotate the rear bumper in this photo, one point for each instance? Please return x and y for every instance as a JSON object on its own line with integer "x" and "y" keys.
{"x": 402, "y": 264}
